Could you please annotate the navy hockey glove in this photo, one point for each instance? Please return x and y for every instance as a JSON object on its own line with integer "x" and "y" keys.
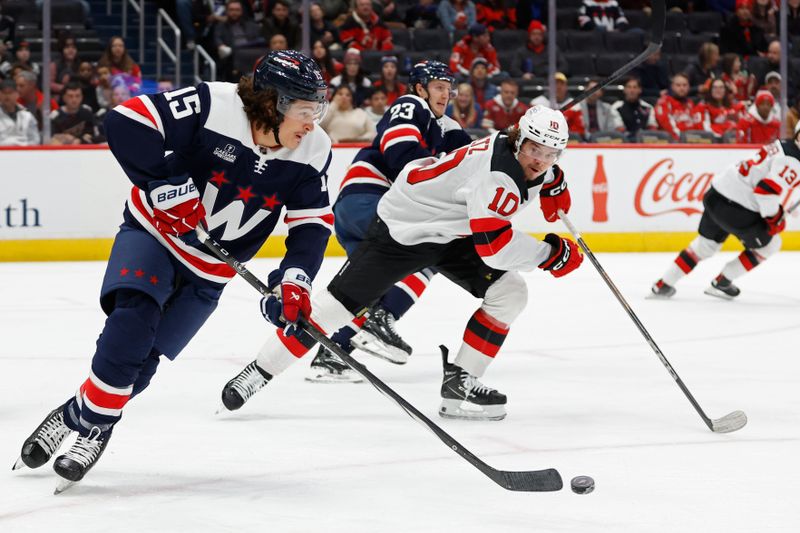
{"x": 294, "y": 300}
{"x": 555, "y": 196}
{"x": 176, "y": 208}
{"x": 776, "y": 223}
{"x": 564, "y": 256}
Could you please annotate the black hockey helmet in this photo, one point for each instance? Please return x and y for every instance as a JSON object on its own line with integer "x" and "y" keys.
{"x": 427, "y": 71}
{"x": 293, "y": 76}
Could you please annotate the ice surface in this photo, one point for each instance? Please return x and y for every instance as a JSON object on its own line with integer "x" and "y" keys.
{"x": 586, "y": 395}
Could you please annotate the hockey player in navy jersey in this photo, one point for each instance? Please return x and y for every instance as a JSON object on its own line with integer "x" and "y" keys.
{"x": 744, "y": 201}
{"x": 454, "y": 214}
{"x": 240, "y": 155}
{"x": 414, "y": 127}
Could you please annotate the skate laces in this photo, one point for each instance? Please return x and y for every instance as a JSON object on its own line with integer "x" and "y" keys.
{"x": 86, "y": 449}
{"x": 249, "y": 381}
{"x": 385, "y": 320}
{"x": 472, "y": 385}
{"x": 53, "y": 432}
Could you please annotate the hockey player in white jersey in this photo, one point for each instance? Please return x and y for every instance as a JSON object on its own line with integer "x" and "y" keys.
{"x": 744, "y": 201}
{"x": 453, "y": 213}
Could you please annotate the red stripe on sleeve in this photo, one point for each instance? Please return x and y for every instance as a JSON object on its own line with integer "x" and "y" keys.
{"x": 400, "y": 132}
{"x": 486, "y": 250}
{"x": 135, "y": 104}
{"x": 482, "y": 225}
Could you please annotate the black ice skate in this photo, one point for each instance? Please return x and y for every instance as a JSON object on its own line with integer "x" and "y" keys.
{"x": 464, "y": 397}
{"x": 44, "y": 441}
{"x": 722, "y": 287}
{"x": 661, "y": 290}
{"x": 241, "y": 388}
{"x": 379, "y": 337}
{"x": 80, "y": 458}
{"x": 327, "y": 367}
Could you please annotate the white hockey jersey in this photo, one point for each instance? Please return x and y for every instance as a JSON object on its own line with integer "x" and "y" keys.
{"x": 759, "y": 183}
{"x": 473, "y": 191}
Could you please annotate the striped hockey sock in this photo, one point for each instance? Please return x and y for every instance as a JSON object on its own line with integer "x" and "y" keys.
{"x": 483, "y": 338}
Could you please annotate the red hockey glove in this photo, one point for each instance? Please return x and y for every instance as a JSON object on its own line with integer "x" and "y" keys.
{"x": 294, "y": 301}
{"x": 776, "y": 223}
{"x": 176, "y": 208}
{"x": 555, "y": 196}
{"x": 564, "y": 257}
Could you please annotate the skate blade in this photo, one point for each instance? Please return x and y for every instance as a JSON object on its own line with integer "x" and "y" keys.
{"x": 330, "y": 378}
{"x": 379, "y": 350}
{"x": 459, "y": 410}
{"x": 654, "y": 296}
{"x": 711, "y": 291}
{"x": 19, "y": 464}
{"x": 62, "y": 485}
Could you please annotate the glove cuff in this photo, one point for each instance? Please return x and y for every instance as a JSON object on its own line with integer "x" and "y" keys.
{"x": 297, "y": 276}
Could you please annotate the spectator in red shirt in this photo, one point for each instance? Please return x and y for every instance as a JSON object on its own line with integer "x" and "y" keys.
{"x": 474, "y": 44}
{"x": 675, "y": 112}
{"x": 388, "y": 80}
{"x": 364, "y": 30}
{"x": 504, "y": 109}
{"x": 30, "y": 97}
{"x": 761, "y": 124}
{"x": 719, "y": 110}
{"x": 479, "y": 80}
{"x": 327, "y": 64}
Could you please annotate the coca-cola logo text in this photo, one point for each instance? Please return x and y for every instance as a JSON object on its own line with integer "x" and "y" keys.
{"x": 663, "y": 190}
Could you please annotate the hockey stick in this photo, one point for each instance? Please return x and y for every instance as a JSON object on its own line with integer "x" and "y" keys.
{"x": 793, "y": 207}
{"x": 528, "y": 481}
{"x": 659, "y": 19}
{"x": 728, "y": 423}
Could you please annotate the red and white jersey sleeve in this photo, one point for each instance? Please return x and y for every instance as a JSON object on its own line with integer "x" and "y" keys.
{"x": 759, "y": 183}
{"x": 472, "y": 192}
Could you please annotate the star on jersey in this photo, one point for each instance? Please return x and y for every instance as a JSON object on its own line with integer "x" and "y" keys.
{"x": 245, "y": 194}
{"x": 218, "y": 178}
{"x": 271, "y": 201}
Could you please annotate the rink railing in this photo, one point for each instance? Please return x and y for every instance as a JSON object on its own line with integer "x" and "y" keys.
{"x": 626, "y": 198}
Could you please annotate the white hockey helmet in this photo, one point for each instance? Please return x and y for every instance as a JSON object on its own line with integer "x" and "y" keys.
{"x": 544, "y": 126}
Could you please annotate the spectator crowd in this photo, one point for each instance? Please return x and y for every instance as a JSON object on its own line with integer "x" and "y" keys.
{"x": 716, "y": 79}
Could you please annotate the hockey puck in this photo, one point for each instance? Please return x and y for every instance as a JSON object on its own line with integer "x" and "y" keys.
{"x": 582, "y": 484}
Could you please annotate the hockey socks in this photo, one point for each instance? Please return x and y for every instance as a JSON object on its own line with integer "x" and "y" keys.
{"x": 399, "y": 299}
{"x": 483, "y": 338}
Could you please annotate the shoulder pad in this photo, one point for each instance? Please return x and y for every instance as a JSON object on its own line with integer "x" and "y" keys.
{"x": 448, "y": 124}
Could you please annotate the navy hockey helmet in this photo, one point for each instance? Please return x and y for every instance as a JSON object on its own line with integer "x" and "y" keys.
{"x": 426, "y": 71}
{"x": 293, "y": 76}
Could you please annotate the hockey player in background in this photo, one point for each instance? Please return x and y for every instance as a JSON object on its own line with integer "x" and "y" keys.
{"x": 240, "y": 153}
{"x": 745, "y": 201}
{"x": 412, "y": 128}
{"x": 454, "y": 214}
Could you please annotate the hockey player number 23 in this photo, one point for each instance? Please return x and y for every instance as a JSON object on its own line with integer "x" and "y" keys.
{"x": 186, "y": 106}
{"x": 448, "y": 162}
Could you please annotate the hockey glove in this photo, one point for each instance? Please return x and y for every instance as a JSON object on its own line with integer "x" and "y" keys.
{"x": 555, "y": 196}
{"x": 776, "y": 223}
{"x": 294, "y": 300}
{"x": 564, "y": 256}
{"x": 176, "y": 208}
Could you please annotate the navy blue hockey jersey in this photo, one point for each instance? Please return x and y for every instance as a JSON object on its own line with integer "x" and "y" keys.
{"x": 243, "y": 187}
{"x": 407, "y": 131}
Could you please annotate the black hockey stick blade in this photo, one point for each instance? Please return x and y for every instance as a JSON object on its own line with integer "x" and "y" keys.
{"x": 529, "y": 481}
{"x": 659, "y": 19}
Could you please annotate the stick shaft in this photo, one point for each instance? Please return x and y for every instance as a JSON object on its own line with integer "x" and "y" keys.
{"x": 634, "y": 318}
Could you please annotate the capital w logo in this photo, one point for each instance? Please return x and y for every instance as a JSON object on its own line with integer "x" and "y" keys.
{"x": 230, "y": 216}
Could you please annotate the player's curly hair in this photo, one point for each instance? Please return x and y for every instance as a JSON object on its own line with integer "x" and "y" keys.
{"x": 259, "y": 106}
{"x": 513, "y": 135}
